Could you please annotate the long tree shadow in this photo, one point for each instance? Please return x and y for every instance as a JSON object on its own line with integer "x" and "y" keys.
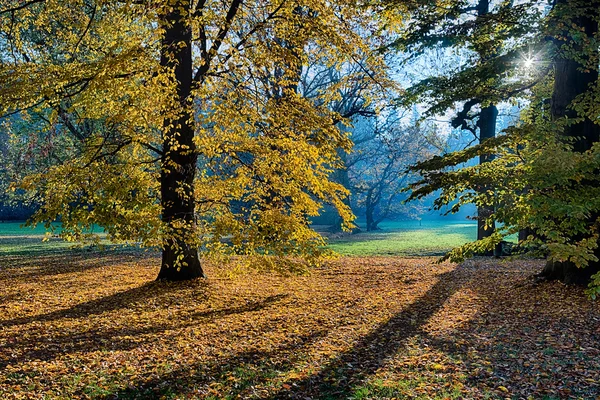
{"x": 94, "y": 307}
{"x": 124, "y": 299}
{"x": 233, "y": 375}
{"x": 525, "y": 343}
{"x": 65, "y": 261}
{"x": 49, "y": 344}
{"x": 347, "y": 371}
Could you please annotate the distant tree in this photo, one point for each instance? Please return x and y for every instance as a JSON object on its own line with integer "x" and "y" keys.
{"x": 168, "y": 134}
{"x": 384, "y": 148}
{"x": 357, "y": 91}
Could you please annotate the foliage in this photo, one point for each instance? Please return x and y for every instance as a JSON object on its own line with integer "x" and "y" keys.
{"x": 96, "y": 123}
{"x": 534, "y": 173}
{"x": 540, "y": 183}
{"x": 89, "y": 325}
{"x": 487, "y": 40}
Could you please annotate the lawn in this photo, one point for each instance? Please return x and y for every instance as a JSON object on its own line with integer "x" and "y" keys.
{"x": 95, "y": 325}
{"x": 19, "y": 240}
{"x": 407, "y": 238}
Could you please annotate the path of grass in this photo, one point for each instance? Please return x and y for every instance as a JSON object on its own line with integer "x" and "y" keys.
{"x": 96, "y": 326}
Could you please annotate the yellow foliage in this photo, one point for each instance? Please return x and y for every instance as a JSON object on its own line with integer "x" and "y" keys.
{"x": 105, "y": 118}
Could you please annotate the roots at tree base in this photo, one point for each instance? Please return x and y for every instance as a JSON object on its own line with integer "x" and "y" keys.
{"x": 568, "y": 273}
{"x": 189, "y": 265}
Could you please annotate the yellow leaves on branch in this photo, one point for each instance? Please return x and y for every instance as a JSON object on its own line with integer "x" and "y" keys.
{"x": 90, "y": 73}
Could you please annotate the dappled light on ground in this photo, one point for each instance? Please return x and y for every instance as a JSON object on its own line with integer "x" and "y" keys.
{"x": 363, "y": 328}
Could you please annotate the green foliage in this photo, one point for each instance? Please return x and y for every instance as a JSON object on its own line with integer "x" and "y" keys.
{"x": 542, "y": 173}
{"x": 489, "y": 41}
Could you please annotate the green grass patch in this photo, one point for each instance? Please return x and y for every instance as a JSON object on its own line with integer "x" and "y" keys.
{"x": 18, "y": 240}
{"x": 406, "y": 388}
{"x": 409, "y": 238}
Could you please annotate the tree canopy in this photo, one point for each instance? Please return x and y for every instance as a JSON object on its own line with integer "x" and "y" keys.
{"x": 178, "y": 124}
{"x": 544, "y": 175}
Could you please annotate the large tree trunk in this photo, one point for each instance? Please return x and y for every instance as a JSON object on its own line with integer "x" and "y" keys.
{"x": 487, "y": 130}
{"x": 180, "y": 260}
{"x": 570, "y": 80}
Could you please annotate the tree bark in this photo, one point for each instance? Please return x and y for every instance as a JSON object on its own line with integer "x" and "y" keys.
{"x": 570, "y": 80}
{"x": 180, "y": 260}
{"x": 487, "y": 130}
{"x": 370, "y": 211}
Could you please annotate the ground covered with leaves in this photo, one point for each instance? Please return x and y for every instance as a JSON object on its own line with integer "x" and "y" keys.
{"x": 95, "y": 325}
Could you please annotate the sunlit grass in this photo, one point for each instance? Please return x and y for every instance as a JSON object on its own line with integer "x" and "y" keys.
{"x": 407, "y": 238}
{"x": 398, "y": 238}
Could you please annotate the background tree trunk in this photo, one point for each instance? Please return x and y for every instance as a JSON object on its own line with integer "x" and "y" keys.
{"x": 570, "y": 80}
{"x": 487, "y": 130}
{"x": 180, "y": 260}
{"x": 370, "y": 211}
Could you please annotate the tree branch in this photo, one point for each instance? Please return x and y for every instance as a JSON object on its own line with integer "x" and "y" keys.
{"x": 22, "y": 6}
{"x": 210, "y": 54}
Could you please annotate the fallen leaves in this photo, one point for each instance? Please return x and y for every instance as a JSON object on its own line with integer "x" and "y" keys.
{"x": 97, "y": 326}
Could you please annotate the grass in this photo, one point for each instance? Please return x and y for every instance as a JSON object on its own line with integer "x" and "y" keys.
{"x": 408, "y": 238}
{"x": 95, "y": 325}
{"x": 21, "y": 241}
{"x": 18, "y": 228}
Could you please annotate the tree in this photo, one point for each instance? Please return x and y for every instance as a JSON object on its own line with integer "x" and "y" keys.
{"x": 384, "y": 147}
{"x": 545, "y": 169}
{"x": 170, "y": 137}
{"x": 487, "y": 35}
{"x": 575, "y": 31}
{"x": 360, "y": 91}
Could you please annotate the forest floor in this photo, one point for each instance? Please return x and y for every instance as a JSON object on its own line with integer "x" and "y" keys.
{"x": 95, "y": 325}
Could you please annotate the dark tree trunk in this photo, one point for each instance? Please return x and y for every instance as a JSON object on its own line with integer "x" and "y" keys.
{"x": 180, "y": 260}
{"x": 370, "y": 211}
{"x": 487, "y": 130}
{"x": 570, "y": 80}
{"x": 524, "y": 234}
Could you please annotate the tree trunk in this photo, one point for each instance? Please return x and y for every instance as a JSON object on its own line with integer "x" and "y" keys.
{"x": 570, "y": 80}
{"x": 487, "y": 130}
{"x": 370, "y": 211}
{"x": 180, "y": 260}
{"x": 524, "y": 234}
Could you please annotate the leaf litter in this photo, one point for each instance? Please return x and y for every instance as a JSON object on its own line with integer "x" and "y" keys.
{"x": 96, "y": 326}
